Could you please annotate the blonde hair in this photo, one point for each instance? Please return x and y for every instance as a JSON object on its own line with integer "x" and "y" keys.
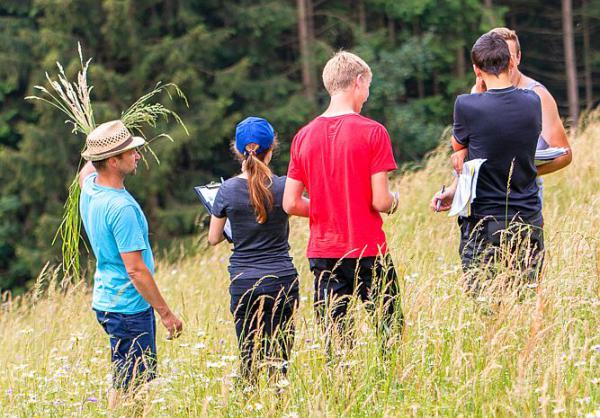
{"x": 508, "y": 35}
{"x": 260, "y": 179}
{"x": 341, "y": 71}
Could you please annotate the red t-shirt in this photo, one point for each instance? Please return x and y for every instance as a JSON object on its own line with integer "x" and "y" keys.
{"x": 334, "y": 157}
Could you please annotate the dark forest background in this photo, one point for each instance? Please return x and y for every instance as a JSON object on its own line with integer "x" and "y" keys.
{"x": 238, "y": 58}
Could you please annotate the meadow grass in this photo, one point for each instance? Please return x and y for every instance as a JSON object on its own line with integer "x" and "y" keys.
{"x": 539, "y": 356}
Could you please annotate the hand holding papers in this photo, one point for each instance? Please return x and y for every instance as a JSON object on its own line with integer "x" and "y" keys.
{"x": 207, "y": 194}
{"x": 466, "y": 187}
{"x": 544, "y": 156}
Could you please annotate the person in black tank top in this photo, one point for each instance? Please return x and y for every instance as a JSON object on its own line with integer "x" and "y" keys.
{"x": 264, "y": 285}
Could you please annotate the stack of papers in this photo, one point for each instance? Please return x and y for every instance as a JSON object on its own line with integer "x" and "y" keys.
{"x": 466, "y": 188}
{"x": 544, "y": 156}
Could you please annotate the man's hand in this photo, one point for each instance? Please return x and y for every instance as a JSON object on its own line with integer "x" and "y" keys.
{"x": 458, "y": 158}
{"x": 172, "y": 324}
{"x": 444, "y": 199}
{"x": 479, "y": 86}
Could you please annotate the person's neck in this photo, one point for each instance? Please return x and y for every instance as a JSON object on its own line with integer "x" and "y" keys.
{"x": 517, "y": 78}
{"x": 501, "y": 81}
{"x": 112, "y": 180}
{"x": 341, "y": 104}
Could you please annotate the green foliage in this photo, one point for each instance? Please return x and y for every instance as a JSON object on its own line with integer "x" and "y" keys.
{"x": 232, "y": 59}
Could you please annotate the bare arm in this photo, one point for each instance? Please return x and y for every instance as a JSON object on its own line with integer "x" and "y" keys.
{"x": 553, "y": 132}
{"x": 142, "y": 280}
{"x": 293, "y": 201}
{"x": 383, "y": 200}
{"x": 215, "y": 230}
{"x": 86, "y": 170}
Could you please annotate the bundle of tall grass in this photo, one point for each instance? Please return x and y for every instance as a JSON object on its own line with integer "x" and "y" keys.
{"x": 73, "y": 100}
{"x": 537, "y": 355}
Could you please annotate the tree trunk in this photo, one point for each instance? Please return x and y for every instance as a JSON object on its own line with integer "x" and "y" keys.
{"x": 571, "y": 70}
{"x": 589, "y": 87}
{"x": 362, "y": 16}
{"x": 391, "y": 30}
{"x": 461, "y": 65}
{"x": 306, "y": 35}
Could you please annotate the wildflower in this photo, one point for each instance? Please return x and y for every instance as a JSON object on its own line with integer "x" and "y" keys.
{"x": 282, "y": 384}
{"x": 228, "y": 358}
{"x": 596, "y": 348}
{"x": 215, "y": 364}
{"x": 199, "y": 346}
{"x": 595, "y": 414}
{"x": 9, "y": 391}
{"x": 92, "y": 399}
{"x": 158, "y": 400}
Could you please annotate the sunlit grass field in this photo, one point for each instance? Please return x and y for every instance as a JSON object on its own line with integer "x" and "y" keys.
{"x": 536, "y": 357}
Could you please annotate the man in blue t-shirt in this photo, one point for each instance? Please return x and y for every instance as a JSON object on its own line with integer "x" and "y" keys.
{"x": 502, "y": 126}
{"x": 125, "y": 293}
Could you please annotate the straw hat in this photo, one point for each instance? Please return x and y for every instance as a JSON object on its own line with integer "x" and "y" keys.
{"x": 109, "y": 139}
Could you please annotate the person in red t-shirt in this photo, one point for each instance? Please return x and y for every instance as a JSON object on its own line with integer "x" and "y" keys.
{"x": 342, "y": 159}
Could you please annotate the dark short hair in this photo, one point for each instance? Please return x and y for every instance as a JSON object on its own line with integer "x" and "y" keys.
{"x": 100, "y": 164}
{"x": 491, "y": 54}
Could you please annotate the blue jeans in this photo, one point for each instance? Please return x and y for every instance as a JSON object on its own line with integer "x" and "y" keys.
{"x": 132, "y": 346}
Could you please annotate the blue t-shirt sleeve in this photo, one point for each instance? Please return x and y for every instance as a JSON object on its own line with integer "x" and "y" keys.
{"x": 128, "y": 230}
{"x": 88, "y": 181}
{"x": 459, "y": 129}
{"x": 219, "y": 207}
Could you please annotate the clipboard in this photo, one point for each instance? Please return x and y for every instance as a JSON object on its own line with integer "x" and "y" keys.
{"x": 207, "y": 194}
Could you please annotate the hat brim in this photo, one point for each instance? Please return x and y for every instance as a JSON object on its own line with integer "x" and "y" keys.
{"x": 137, "y": 141}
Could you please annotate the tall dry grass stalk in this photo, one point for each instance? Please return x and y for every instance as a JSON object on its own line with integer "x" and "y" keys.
{"x": 73, "y": 100}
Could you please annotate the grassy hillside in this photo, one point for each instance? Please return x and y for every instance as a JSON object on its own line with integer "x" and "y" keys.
{"x": 537, "y": 357}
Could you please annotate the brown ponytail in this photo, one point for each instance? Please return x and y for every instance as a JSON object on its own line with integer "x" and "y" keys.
{"x": 259, "y": 182}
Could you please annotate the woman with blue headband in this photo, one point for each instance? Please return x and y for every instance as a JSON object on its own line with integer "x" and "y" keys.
{"x": 264, "y": 285}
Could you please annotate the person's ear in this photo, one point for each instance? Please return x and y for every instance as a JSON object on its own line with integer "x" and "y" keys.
{"x": 477, "y": 71}
{"x": 112, "y": 162}
{"x": 358, "y": 81}
{"x": 512, "y": 63}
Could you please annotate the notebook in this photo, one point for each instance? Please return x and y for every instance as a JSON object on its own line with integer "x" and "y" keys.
{"x": 207, "y": 194}
{"x": 544, "y": 156}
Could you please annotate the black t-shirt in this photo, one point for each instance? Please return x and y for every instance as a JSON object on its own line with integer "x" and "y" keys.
{"x": 259, "y": 250}
{"x": 502, "y": 125}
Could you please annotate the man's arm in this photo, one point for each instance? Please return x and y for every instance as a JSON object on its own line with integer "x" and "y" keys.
{"x": 215, "y": 230}
{"x": 553, "y": 132}
{"x": 86, "y": 170}
{"x": 293, "y": 201}
{"x": 142, "y": 280}
{"x": 383, "y": 199}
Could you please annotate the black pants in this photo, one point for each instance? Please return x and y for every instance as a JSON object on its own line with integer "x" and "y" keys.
{"x": 372, "y": 279}
{"x": 490, "y": 248}
{"x": 265, "y": 328}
